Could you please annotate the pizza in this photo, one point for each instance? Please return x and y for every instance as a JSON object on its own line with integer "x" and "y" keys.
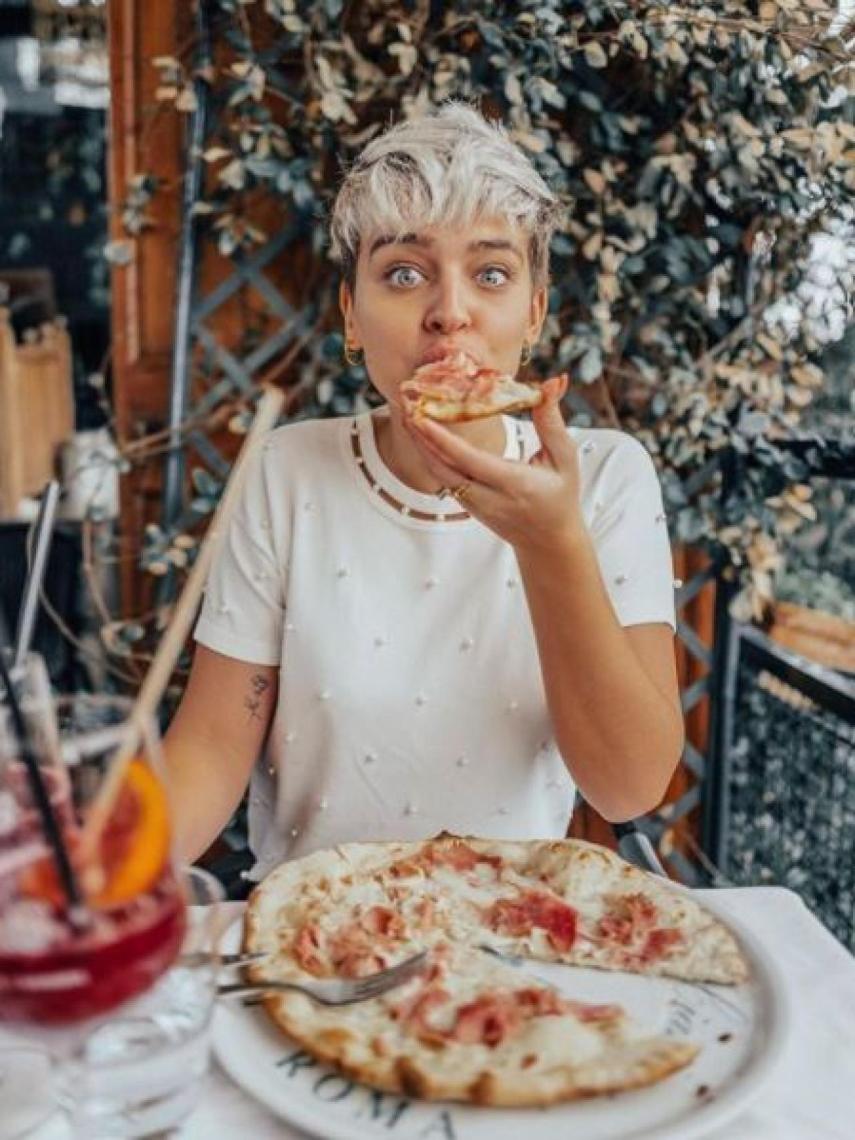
{"x": 471, "y": 1026}
{"x": 456, "y": 388}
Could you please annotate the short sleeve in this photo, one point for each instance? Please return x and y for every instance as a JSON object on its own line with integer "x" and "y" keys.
{"x": 242, "y": 613}
{"x": 630, "y": 535}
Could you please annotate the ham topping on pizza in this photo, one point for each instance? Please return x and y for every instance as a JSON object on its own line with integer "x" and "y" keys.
{"x": 462, "y": 857}
{"x": 632, "y": 924}
{"x": 428, "y": 1009}
{"x": 488, "y": 1020}
{"x": 307, "y": 948}
{"x": 456, "y": 387}
{"x": 354, "y": 950}
{"x": 413, "y": 1013}
{"x": 593, "y": 1013}
{"x": 455, "y": 374}
{"x": 660, "y": 943}
{"x": 383, "y": 921}
{"x": 455, "y": 856}
{"x": 493, "y": 1018}
{"x": 517, "y": 917}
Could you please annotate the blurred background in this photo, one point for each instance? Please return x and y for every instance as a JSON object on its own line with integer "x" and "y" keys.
{"x": 166, "y": 172}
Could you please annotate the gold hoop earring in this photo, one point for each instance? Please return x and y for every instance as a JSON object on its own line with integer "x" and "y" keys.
{"x": 353, "y": 355}
{"x": 525, "y": 355}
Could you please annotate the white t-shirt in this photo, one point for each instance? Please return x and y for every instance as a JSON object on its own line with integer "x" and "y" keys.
{"x": 410, "y": 695}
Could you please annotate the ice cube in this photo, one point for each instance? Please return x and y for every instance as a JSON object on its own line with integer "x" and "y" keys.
{"x": 10, "y": 814}
{"x": 29, "y": 927}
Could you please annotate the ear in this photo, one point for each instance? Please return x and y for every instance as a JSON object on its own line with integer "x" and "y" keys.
{"x": 537, "y": 312}
{"x": 345, "y": 303}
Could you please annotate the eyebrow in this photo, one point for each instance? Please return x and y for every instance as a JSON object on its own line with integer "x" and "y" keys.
{"x": 501, "y": 244}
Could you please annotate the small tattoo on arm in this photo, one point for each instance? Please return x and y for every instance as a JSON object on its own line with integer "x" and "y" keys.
{"x": 258, "y": 685}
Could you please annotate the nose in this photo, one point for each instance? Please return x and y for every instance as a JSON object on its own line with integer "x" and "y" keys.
{"x": 448, "y": 308}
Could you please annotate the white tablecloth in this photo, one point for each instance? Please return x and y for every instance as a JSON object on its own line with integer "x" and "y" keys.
{"x": 810, "y": 1097}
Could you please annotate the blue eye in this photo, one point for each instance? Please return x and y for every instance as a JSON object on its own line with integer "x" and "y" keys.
{"x": 404, "y": 276}
{"x": 499, "y": 276}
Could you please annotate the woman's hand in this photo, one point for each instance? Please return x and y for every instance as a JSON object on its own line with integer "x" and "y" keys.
{"x": 533, "y": 506}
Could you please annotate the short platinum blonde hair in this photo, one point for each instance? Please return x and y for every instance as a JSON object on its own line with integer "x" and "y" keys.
{"x": 448, "y": 167}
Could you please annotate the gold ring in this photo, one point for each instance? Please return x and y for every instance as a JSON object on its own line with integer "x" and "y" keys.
{"x": 461, "y": 491}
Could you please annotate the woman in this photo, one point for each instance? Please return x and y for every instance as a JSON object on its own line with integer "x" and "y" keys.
{"x": 416, "y": 659}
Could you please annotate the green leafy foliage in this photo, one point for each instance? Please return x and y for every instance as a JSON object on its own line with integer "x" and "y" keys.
{"x": 699, "y": 149}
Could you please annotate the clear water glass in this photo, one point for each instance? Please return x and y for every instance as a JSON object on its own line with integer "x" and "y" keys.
{"x": 26, "y": 1080}
{"x": 139, "y": 1073}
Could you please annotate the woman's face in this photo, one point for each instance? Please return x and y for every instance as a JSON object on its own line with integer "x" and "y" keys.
{"x": 426, "y": 293}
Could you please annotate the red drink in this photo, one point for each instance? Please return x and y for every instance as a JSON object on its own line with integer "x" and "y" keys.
{"x": 73, "y": 975}
{"x": 54, "y": 971}
{"x": 50, "y": 972}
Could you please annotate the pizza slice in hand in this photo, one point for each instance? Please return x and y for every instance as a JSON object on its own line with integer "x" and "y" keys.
{"x": 456, "y": 388}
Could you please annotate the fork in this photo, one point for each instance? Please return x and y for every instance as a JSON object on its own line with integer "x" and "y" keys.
{"x": 208, "y": 958}
{"x": 335, "y": 991}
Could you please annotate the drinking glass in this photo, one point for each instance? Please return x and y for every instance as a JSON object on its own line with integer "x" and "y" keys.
{"x": 51, "y": 971}
{"x": 139, "y": 1072}
{"x": 63, "y": 977}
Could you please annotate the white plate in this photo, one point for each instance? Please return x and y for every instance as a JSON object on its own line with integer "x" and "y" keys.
{"x": 726, "y": 1076}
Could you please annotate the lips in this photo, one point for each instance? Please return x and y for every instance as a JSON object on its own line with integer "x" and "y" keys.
{"x": 443, "y": 351}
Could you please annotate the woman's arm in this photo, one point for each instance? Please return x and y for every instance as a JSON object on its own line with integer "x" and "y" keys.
{"x": 612, "y": 691}
{"x": 213, "y": 743}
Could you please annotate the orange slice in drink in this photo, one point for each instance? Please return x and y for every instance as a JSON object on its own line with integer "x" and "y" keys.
{"x": 133, "y": 848}
{"x": 134, "y": 845}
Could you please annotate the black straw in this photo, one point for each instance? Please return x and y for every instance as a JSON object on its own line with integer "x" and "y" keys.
{"x": 40, "y": 794}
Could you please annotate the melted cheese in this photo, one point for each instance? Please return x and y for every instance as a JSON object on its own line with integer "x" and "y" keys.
{"x": 558, "y": 1041}
{"x": 545, "y": 1044}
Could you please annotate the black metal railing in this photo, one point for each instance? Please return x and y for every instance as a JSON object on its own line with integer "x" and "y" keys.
{"x": 779, "y": 790}
{"x": 780, "y": 797}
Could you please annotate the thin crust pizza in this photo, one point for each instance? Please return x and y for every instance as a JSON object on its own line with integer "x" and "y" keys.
{"x": 471, "y": 1027}
{"x": 456, "y": 388}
